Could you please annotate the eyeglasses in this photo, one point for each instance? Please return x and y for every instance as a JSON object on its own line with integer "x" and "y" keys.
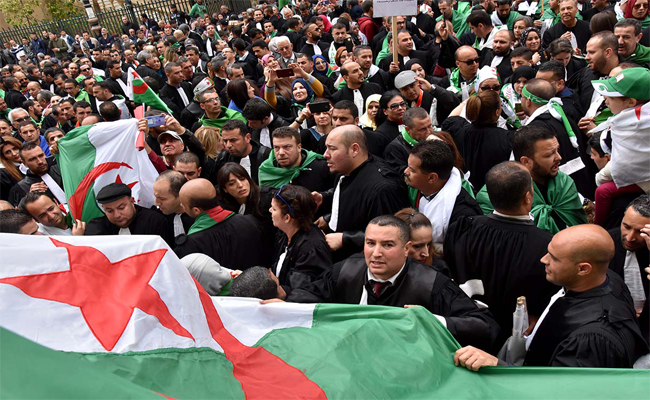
{"x": 320, "y": 63}
{"x": 278, "y": 196}
{"x": 84, "y": 69}
{"x": 212, "y": 100}
{"x": 283, "y": 48}
{"x": 396, "y": 106}
{"x": 19, "y": 120}
{"x": 495, "y": 88}
{"x": 470, "y": 62}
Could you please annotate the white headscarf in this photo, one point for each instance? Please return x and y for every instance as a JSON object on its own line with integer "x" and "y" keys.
{"x": 484, "y": 74}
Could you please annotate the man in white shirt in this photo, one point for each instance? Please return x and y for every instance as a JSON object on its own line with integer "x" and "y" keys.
{"x": 49, "y": 215}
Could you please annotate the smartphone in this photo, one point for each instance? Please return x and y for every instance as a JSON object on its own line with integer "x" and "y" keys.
{"x": 319, "y": 107}
{"x": 284, "y": 73}
{"x": 518, "y": 107}
{"x": 155, "y": 120}
{"x": 349, "y": 46}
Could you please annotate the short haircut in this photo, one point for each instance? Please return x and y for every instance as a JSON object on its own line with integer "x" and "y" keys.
{"x": 554, "y": 66}
{"x": 353, "y": 134}
{"x": 347, "y": 105}
{"x": 479, "y": 17}
{"x": 30, "y": 198}
{"x": 525, "y": 139}
{"x": 233, "y": 124}
{"x": 257, "y": 109}
{"x": 414, "y": 113}
{"x": 187, "y": 157}
{"x": 68, "y": 100}
{"x": 560, "y": 45}
{"x": 435, "y": 157}
{"x": 641, "y": 205}
{"x": 80, "y": 104}
{"x": 504, "y": 2}
{"x": 293, "y": 23}
{"x": 168, "y": 67}
{"x": 109, "y": 111}
{"x": 358, "y": 49}
{"x": 239, "y": 44}
{"x": 624, "y": 23}
{"x": 255, "y": 282}
{"x": 338, "y": 25}
{"x": 73, "y": 81}
{"x": 104, "y": 85}
{"x": 260, "y": 43}
{"x": 27, "y": 123}
{"x": 366, "y": 6}
{"x": 391, "y": 220}
{"x": 594, "y": 143}
{"x": 175, "y": 179}
{"x": 287, "y": 132}
{"x": 12, "y": 221}
{"x": 607, "y": 40}
{"x": 507, "y": 183}
{"x": 51, "y": 130}
{"x": 541, "y": 88}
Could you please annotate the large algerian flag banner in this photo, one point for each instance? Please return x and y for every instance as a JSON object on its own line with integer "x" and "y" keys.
{"x": 93, "y": 156}
{"x": 120, "y": 317}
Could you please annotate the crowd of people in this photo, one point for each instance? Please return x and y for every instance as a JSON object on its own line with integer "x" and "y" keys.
{"x": 504, "y": 151}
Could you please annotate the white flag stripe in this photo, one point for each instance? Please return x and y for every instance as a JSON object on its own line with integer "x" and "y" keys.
{"x": 115, "y": 142}
{"x": 62, "y": 327}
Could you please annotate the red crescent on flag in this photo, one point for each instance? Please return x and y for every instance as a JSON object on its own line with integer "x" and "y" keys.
{"x": 140, "y": 89}
{"x": 76, "y": 201}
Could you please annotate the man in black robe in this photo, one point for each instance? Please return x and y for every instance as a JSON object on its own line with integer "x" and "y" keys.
{"x": 232, "y": 240}
{"x": 417, "y": 128}
{"x": 241, "y": 149}
{"x": 404, "y": 53}
{"x": 631, "y": 254}
{"x": 384, "y": 275}
{"x": 124, "y": 217}
{"x": 366, "y": 188}
{"x": 262, "y": 120}
{"x": 356, "y": 89}
{"x": 590, "y": 321}
{"x": 572, "y": 148}
{"x": 166, "y": 190}
{"x": 496, "y": 258}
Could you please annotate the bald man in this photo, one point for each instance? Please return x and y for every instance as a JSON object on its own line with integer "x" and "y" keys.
{"x": 366, "y": 188}
{"x": 461, "y": 80}
{"x": 590, "y": 321}
{"x": 232, "y": 240}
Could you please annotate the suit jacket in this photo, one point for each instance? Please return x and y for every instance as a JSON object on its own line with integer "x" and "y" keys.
{"x": 171, "y": 93}
{"x": 308, "y": 49}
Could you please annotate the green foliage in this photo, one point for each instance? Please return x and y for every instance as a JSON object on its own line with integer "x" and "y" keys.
{"x": 62, "y": 9}
{"x": 18, "y": 12}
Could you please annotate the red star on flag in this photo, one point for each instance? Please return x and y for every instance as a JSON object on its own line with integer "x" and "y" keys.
{"x": 130, "y": 185}
{"x": 106, "y": 292}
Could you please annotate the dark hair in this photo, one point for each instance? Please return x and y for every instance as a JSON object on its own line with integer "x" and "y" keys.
{"x": 446, "y": 137}
{"x": 52, "y": 129}
{"x": 525, "y": 139}
{"x": 554, "y": 66}
{"x": 73, "y": 81}
{"x": 27, "y": 123}
{"x": 347, "y": 105}
{"x": 223, "y": 176}
{"x": 303, "y": 206}
{"x": 287, "y": 132}
{"x": 391, "y": 220}
{"x": 111, "y": 63}
{"x": 12, "y": 221}
{"x": 607, "y": 40}
{"x": 414, "y": 113}
{"x": 109, "y": 111}
{"x": 69, "y": 100}
{"x": 104, "y": 85}
{"x": 238, "y": 44}
{"x": 504, "y": 2}
{"x": 383, "y": 103}
{"x": 624, "y": 23}
{"x": 560, "y": 45}
{"x": 238, "y": 92}
{"x": 481, "y": 109}
{"x": 255, "y": 282}
{"x": 29, "y": 199}
{"x": 594, "y": 143}
{"x": 479, "y": 17}
{"x": 507, "y": 183}
{"x": 187, "y": 157}
{"x": 641, "y": 205}
{"x": 175, "y": 179}
{"x": 260, "y": 43}
{"x": 80, "y": 104}
{"x": 293, "y": 23}
{"x": 366, "y": 6}
{"x": 603, "y": 22}
{"x": 435, "y": 157}
{"x": 413, "y": 218}
{"x": 233, "y": 124}
{"x": 257, "y": 110}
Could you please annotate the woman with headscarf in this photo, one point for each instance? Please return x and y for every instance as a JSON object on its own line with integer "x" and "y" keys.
{"x": 369, "y": 118}
{"x": 416, "y": 66}
{"x": 282, "y": 85}
{"x": 532, "y": 40}
{"x": 635, "y": 9}
{"x": 521, "y": 23}
{"x": 322, "y": 67}
{"x": 511, "y": 92}
{"x": 303, "y": 90}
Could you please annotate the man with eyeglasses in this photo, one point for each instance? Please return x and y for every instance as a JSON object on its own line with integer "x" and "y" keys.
{"x": 214, "y": 113}
{"x": 22, "y": 80}
{"x": 461, "y": 80}
{"x": 285, "y": 48}
{"x": 314, "y": 45}
{"x": 73, "y": 90}
{"x": 86, "y": 71}
{"x": 16, "y": 117}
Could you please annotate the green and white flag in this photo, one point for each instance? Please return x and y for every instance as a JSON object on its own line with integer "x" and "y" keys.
{"x": 120, "y": 317}
{"x": 90, "y": 157}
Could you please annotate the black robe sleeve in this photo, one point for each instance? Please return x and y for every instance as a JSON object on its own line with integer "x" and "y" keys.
{"x": 310, "y": 264}
{"x": 319, "y": 291}
{"x": 590, "y": 348}
{"x": 465, "y": 321}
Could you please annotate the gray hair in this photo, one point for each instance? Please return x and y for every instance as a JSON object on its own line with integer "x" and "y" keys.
{"x": 143, "y": 56}
{"x": 44, "y": 95}
{"x": 641, "y": 205}
{"x": 11, "y": 113}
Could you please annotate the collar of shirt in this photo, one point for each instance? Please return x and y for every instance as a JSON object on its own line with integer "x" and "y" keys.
{"x": 526, "y": 217}
{"x": 392, "y": 279}
{"x": 243, "y": 56}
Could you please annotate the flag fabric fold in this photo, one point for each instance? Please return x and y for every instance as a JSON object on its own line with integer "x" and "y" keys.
{"x": 193, "y": 346}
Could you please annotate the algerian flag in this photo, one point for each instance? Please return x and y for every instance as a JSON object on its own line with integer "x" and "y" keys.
{"x": 121, "y": 317}
{"x": 143, "y": 94}
{"x": 90, "y": 157}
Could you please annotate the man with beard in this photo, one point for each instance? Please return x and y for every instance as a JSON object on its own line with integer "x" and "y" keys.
{"x": 628, "y": 33}
{"x": 570, "y": 27}
{"x": 631, "y": 253}
{"x": 499, "y": 56}
{"x": 241, "y": 149}
{"x": 42, "y": 175}
{"x": 481, "y": 25}
{"x": 166, "y": 189}
{"x": 124, "y": 217}
{"x": 504, "y": 15}
{"x": 374, "y": 74}
{"x": 556, "y": 204}
{"x": 405, "y": 52}
{"x": 458, "y": 16}
{"x": 602, "y": 56}
{"x": 418, "y": 92}
{"x": 356, "y": 89}
{"x": 461, "y": 80}
{"x": 545, "y": 112}
{"x": 314, "y": 45}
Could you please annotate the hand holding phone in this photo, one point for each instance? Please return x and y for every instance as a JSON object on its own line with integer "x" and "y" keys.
{"x": 155, "y": 120}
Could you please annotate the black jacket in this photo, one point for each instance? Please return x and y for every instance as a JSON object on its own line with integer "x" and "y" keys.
{"x": 257, "y": 156}
{"x": 20, "y": 189}
{"x": 145, "y": 70}
{"x": 146, "y": 222}
{"x": 277, "y": 122}
{"x": 171, "y": 93}
{"x": 14, "y": 99}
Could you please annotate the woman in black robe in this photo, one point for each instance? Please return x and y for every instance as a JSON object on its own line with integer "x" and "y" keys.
{"x": 303, "y": 253}
{"x": 392, "y": 107}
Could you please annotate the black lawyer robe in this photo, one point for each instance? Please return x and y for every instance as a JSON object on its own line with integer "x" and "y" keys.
{"x": 308, "y": 256}
{"x": 596, "y": 328}
{"x": 366, "y": 89}
{"x": 145, "y": 222}
{"x": 416, "y": 284}
{"x": 257, "y": 156}
{"x": 234, "y": 243}
{"x": 504, "y": 255}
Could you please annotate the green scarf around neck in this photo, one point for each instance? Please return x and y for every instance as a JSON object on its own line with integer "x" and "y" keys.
{"x": 270, "y": 175}
{"x": 208, "y": 219}
{"x": 562, "y": 199}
